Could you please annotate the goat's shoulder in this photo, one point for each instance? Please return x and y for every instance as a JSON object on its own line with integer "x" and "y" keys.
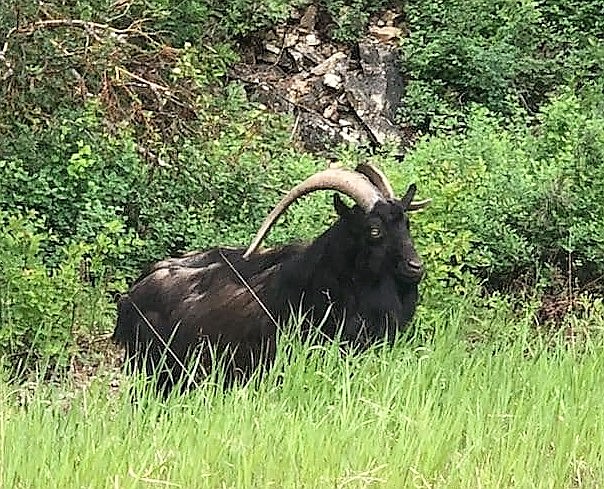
{"x": 175, "y": 276}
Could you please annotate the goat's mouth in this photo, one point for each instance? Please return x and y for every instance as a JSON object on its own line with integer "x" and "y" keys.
{"x": 410, "y": 274}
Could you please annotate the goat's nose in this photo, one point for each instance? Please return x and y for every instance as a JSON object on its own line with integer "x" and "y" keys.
{"x": 415, "y": 265}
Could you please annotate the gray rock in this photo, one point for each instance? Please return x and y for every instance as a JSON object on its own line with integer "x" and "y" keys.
{"x": 332, "y": 80}
{"x": 375, "y": 91}
{"x": 334, "y": 97}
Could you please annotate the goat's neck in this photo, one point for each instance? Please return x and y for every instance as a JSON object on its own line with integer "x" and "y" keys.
{"x": 333, "y": 254}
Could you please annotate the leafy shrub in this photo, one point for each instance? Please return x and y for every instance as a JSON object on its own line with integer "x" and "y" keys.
{"x": 39, "y": 309}
{"x": 191, "y": 20}
{"x": 513, "y": 204}
{"x": 503, "y": 54}
{"x": 92, "y": 186}
{"x": 80, "y": 180}
{"x": 351, "y": 17}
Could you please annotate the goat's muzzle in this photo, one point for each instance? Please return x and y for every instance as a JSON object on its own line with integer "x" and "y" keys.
{"x": 411, "y": 270}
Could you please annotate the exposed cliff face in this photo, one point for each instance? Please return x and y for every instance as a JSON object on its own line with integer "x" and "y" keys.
{"x": 335, "y": 92}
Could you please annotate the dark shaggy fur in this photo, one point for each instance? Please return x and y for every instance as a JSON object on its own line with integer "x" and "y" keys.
{"x": 361, "y": 276}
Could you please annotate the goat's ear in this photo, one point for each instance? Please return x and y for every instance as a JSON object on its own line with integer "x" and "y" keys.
{"x": 409, "y": 204}
{"x": 408, "y": 197}
{"x": 341, "y": 208}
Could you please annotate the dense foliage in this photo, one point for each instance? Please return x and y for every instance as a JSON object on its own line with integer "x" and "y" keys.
{"x": 529, "y": 200}
{"x": 122, "y": 140}
{"x": 503, "y": 54}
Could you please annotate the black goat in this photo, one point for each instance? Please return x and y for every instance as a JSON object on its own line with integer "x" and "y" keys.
{"x": 359, "y": 278}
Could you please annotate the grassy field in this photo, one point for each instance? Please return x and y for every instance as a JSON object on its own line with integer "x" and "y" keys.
{"x": 511, "y": 410}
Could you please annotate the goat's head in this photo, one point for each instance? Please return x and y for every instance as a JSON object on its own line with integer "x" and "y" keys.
{"x": 382, "y": 239}
{"x": 377, "y": 226}
{"x": 384, "y": 230}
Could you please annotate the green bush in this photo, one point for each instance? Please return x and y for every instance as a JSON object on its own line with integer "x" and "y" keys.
{"x": 79, "y": 179}
{"x": 502, "y": 54}
{"x": 213, "y": 20}
{"x": 91, "y": 185}
{"x": 514, "y": 204}
{"x": 351, "y": 17}
{"x": 192, "y": 20}
{"x": 40, "y": 310}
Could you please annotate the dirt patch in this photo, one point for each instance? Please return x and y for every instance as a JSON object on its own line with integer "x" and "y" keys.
{"x": 97, "y": 359}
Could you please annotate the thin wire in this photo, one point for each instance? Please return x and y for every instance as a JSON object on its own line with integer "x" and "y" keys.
{"x": 251, "y": 291}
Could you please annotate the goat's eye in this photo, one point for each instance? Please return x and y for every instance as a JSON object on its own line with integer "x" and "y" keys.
{"x": 375, "y": 233}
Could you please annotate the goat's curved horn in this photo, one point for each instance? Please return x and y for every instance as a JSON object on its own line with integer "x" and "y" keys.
{"x": 380, "y": 180}
{"x": 377, "y": 178}
{"x": 418, "y": 205}
{"x": 355, "y": 185}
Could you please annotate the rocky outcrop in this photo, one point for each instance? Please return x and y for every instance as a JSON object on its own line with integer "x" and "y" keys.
{"x": 335, "y": 92}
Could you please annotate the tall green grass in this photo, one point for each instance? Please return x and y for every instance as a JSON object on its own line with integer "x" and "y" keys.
{"x": 517, "y": 410}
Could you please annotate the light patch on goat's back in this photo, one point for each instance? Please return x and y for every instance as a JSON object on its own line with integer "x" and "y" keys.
{"x": 187, "y": 260}
{"x": 174, "y": 274}
{"x": 167, "y": 263}
{"x": 237, "y": 294}
{"x": 210, "y": 267}
{"x": 197, "y": 271}
{"x": 190, "y": 259}
{"x": 161, "y": 274}
{"x": 197, "y": 274}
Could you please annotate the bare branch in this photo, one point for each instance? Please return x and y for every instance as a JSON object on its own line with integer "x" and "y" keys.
{"x": 152, "y": 85}
{"x": 92, "y": 29}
